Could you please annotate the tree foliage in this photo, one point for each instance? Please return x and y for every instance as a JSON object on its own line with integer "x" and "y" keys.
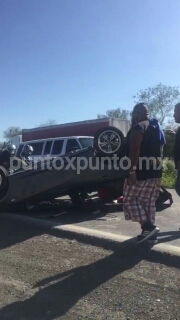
{"x": 11, "y": 132}
{"x": 49, "y": 122}
{"x": 160, "y": 99}
{"x": 115, "y": 113}
{"x": 2, "y": 145}
{"x": 171, "y": 125}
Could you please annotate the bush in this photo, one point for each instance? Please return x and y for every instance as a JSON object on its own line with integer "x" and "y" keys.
{"x": 169, "y": 174}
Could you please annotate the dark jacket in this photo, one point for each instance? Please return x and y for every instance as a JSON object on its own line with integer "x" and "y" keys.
{"x": 177, "y": 148}
{"x": 150, "y": 157}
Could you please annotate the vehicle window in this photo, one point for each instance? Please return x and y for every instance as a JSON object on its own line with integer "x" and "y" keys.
{"x": 86, "y": 142}
{"x": 72, "y": 145}
{"x": 19, "y": 150}
{"x": 47, "y": 148}
{"x": 57, "y": 147}
{"x": 37, "y": 148}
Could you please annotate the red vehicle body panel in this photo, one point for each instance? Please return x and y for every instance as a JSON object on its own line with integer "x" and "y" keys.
{"x": 83, "y": 128}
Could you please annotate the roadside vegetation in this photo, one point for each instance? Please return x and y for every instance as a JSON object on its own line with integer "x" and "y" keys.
{"x": 169, "y": 171}
{"x": 169, "y": 174}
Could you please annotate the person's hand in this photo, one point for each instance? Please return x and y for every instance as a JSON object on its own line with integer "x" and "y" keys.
{"x": 132, "y": 179}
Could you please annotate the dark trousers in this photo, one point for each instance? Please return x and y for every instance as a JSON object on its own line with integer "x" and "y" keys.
{"x": 177, "y": 184}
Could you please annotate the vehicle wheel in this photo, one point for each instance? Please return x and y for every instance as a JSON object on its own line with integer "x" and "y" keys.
{"x": 3, "y": 179}
{"x": 108, "y": 141}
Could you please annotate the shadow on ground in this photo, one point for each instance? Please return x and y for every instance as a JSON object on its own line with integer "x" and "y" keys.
{"x": 55, "y": 299}
{"x": 164, "y": 237}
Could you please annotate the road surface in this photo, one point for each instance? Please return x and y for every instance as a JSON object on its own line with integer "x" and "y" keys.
{"x": 111, "y": 219}
{"x": 44, "y": 277}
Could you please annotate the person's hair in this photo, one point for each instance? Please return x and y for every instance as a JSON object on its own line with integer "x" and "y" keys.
{"x": 142, "y": 109}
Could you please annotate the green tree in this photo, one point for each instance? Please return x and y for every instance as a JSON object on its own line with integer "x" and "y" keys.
{"x": 160, "y": 99}
{"x": 115, "y": 113}
{"x": 11, "y": 132}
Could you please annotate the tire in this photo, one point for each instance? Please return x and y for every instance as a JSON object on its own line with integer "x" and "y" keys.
{"x": 3, "y": 179}
{"x": 108, "y": 141}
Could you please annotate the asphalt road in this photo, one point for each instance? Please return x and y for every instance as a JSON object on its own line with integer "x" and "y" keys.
{"x": 111, "y": 219}
{"x": 47, "y": 277}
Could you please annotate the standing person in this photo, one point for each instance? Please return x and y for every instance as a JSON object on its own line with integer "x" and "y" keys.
{"x": 144, "y": 141}
{"x": 6, "y": 155}
{"x": 177, "y": 146}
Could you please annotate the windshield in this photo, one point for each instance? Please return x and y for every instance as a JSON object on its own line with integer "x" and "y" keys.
{"x": 86, "y": 142}
{"x": 19, "y": 150}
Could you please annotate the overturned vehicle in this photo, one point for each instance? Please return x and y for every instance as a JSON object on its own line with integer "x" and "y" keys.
{"x": 75, "y": 174}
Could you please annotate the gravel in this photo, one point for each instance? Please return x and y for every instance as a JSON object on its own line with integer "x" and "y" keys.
{"x": 43, "y": 277}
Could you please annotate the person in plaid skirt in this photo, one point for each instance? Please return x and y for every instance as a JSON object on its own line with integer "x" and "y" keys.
{"x": 145, "y": 141}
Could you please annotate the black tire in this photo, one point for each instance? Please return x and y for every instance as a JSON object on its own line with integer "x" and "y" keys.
{"x": 3, "y": 180}
{"x": 115, "y": 145}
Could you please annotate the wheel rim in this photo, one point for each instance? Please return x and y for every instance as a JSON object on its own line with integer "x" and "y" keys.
{"x": 109, "y": 141}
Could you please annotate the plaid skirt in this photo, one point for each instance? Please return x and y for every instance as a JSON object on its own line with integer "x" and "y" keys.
{"x": 139, "y": 200}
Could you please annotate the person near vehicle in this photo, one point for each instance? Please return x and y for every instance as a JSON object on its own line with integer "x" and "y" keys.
{"x": 27, "y": 152}
{"x": 6, "y": 154}
{"x": 176, "y": 146}
{"x": 141, "y": 189}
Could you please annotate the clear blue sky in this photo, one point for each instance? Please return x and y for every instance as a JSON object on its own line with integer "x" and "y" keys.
{"x": 69, "y": 60}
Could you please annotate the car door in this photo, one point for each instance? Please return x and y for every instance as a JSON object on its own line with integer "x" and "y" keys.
{"x": 19, "y": 150}
{"x": 83, "y": 167}
{"x": 47, "y": 149}
{"x": 36, "y": 155}
{"x": 57, "y": 148}
{"x": 72, "y": 144}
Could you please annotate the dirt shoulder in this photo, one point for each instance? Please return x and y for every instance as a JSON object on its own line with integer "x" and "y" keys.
{"x": 45, "y": 277}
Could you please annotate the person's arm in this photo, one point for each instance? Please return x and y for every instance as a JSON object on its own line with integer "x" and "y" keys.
{"x": 135, "y": 145}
